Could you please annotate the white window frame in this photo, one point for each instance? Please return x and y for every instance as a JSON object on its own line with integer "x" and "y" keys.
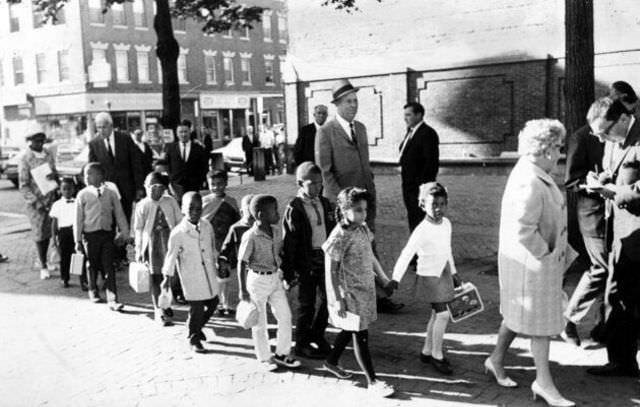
{"x": 245, "y": 59}
{"x": 227, "y": 61}
{"x": 183, "y": 69}
{"x": 246, "y": 34}
{"x": 266, "y": 17}
{"x": 122, "y": 70}
{"x": 64, "y": 65}
{"x": 269, "y": 61}
{"x": 41, "y": 68}
{"x": 282, "y": 28}
{"x": 159, "y": 69}
{"x": 92, "y": 11}
{"x": 210, "y": 55}
{"x": 119, "y": 7}
{"x": 142, "y": 55}
{"x": 139, "y": 9}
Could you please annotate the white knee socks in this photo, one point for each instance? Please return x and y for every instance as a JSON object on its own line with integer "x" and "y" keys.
{"x": 428, "y": 338}
{"x": 439, "y": 326}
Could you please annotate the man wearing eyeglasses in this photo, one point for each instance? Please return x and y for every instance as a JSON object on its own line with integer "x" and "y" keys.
{"x": 584, "y": 154}
{"x": 611, "y": 122}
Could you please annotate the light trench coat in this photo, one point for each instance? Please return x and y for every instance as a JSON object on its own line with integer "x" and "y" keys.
{"x": 532, "y": 254}
{"x": 145, "y": 215}
{"x": 193, "y": 251}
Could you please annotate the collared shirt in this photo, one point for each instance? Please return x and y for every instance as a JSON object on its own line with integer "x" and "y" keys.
{"x": 111, "y": 141}
{"x": 318, "y": 228}
{"x": 346, "y": 126}
{"x": 412, "y": 132}
{"x": 260, "y": 251}
{"x": 184, "y": 146}
{"x": 613, "y": 152}
{"x": 317, "y": 125}
{"x": 139, "y": 144}
{"x": 95, "y": 211}
{"x": 65, "y": 211}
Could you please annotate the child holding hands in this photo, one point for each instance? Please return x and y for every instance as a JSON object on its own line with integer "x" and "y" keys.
{"x": 351, "y": 271}
{"x": 431, "y": 241}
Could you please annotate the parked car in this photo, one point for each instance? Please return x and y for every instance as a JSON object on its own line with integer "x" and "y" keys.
{"x": 232, "y": 154}
{"x": 10, "y": 170}
{"x": 73, "y": 167}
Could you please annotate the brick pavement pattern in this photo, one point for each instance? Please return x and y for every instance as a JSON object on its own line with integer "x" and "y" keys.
{"x": 60, "y": 350}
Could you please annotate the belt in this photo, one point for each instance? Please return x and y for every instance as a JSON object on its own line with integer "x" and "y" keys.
{"x": 263, "y": 273}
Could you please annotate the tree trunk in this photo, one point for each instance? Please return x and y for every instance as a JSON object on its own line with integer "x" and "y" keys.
{"x": 168, "y": 51}
{"x": 579, "y": 83}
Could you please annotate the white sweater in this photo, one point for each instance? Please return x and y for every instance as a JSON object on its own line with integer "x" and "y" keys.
{"x": 432, "y": 244}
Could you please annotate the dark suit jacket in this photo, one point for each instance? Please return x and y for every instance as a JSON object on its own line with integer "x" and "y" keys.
{"x": 420, "y": 157}
{"x": 125, "y": 170}
{"x": 192, "y": 174}
{"x": 305, "y": 144}
{"x": 146, "y": 158}
{"x": 626, "y": 213}
{"x": 343, "y": 163}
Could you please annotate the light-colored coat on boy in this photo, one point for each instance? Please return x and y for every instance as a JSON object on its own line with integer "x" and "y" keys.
{"x": 192, "y": 250}
{"x": 145, "y": 216}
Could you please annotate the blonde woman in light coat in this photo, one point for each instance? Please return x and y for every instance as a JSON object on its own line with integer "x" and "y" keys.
{"x": 532, "y": 256}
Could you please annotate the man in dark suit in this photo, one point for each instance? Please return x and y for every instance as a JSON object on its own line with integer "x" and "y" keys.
{"x": 144, "y": 151}
{"x": 419, "y": 159}
{"x": 188, "y": 162}
{"x": 304, "y": 150}
{"x": 120, "y": 160}
{"x": 619, "y": 183}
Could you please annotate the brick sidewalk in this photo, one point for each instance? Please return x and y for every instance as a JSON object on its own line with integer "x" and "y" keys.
{"x": 60, "y": 350}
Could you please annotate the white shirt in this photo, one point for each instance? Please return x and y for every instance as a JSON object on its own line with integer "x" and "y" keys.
{"x": 345, "y": 126}
{"x": 432, "y": 243}
{"x": 317, "y": 125}
{"x": 64, "y": 211}
{"x": 111, "y": 141}
{"x": 184, "y": 146}
{"x": 413, "y": 132}
{"x": 613, "y": 152}
{"x": 139, "y": 144}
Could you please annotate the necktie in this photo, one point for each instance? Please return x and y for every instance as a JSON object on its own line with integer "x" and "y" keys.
{"x": 404, "y": 140}
{"x": 184, "y": 152}
{"x": 99, "y": 192}
{"x": 110, "y": 149}
{"x": 315, "y": 208}
{"x": 353, "y": 133}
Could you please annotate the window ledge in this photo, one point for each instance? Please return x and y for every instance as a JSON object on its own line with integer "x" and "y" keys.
{"x": 212, "y": 83}
{"x": 123, "y": 81}
{"x": 227, "y": 83}
{"x": 145, "y": 82}
{"x": 120, "y": 26}
{"x": 139, "y": 28}
{"x": 266, "y": 39}
{"x": 247, "y": 83}
{"x": 97, "y": 24}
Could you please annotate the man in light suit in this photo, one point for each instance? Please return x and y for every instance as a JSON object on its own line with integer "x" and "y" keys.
{"x": 342, "y": 153}
{"x": 120, "y": 159}
{"x": 304, "y": 149}
{"x": 613, "y": 123}
{"x": 419, "y": 160}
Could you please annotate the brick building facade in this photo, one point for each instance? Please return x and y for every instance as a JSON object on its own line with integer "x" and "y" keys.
{"x": 481, "y": 69}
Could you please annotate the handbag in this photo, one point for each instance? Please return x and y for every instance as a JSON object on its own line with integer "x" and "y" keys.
{"x": 139, "y": 278}
{"x": 466, "y": 303}
{"x": 77, "y": 264}
{"x": 165, "y": 299}
{"x": 247, "y": 314}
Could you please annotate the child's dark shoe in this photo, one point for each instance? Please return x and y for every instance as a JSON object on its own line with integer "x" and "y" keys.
{"x": 286, "y": 361}
{"x": 337, "y": 371}
{"x": 441, "y": 365}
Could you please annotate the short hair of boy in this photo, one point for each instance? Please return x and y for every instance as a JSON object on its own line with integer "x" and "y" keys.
{"x": 307, "y": 169}
{"x": 187, "y": 198}
{"x": 186, "y": 123}
{"x": 218, "y": 174}
{"x": 95, "y": 166}
{"x": 155, "y": 178}
{"x": 435, "y": 189}
{"x": 416, "y": 108}
{"x": 260, "y": 202}
{"x": 68, "y": 180}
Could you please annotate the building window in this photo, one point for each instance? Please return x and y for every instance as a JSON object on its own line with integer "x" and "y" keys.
{"x": 266, "y": 26}
{"x": 99, "y": 55}
{"x": 122, "y": 66}
{"x": 139, "y": 16}
{"x": 228, "y": 34}
{"x": 41, "y": 67}
{"x": 14, "y": 19}
{"x": 245, "y": 71}
{"x": 118, "y": 15}
{"x": 282, "y": 28}
{"x": 1, "y": 74}
{"x": 95, "y": 12}
{"x": 210, "y": 68}
{"x": 159, "y": 71}
{"x": 63, "y": 65}
{"x": 228, "y": 69}
{"x": 18, "y": 71}
{"x": 245, "y": 33}
{"x": 60, "y": 17}
{"x": 182, "y": 68}
{"x": 180, "y": 24}
{"x": 268, "y": 72}
{"x": 38, "y": 15}
{"x": 143, "y": 66}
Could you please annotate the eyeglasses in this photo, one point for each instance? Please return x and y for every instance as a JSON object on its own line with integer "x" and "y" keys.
{"x": 606, "y": 131}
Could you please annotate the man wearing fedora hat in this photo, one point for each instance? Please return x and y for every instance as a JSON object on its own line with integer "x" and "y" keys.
{"x": 342, "y": 153}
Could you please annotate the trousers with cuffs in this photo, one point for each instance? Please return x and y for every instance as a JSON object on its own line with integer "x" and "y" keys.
{"x": 268, "y": 289}
{"x": 312, "y": 320}
{"x": 199, "y": 314}
{"x": 360, "y": 348}
{"x": 66, "y": 248}
{"x": 100, "y": 249}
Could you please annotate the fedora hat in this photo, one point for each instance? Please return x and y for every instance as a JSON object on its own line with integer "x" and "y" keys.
{"x": 342, "y": 88}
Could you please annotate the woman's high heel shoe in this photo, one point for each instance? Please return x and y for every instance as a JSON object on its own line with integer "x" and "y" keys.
{"x": 504, "y": 382}
{"x": 551, "y": 401}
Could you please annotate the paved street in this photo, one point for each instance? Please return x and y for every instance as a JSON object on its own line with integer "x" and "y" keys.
{"x": 60, "y": 350}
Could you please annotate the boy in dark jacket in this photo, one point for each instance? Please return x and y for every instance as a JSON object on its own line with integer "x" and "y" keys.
{"x": 307, "y": 222}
